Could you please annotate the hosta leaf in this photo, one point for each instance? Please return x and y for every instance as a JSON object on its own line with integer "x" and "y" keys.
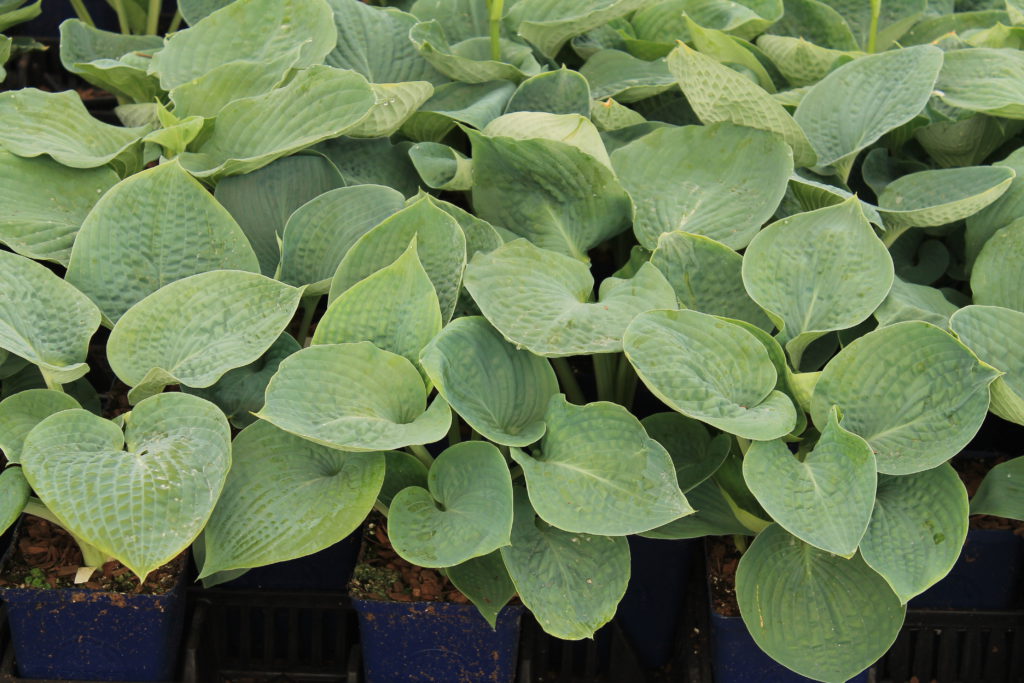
{"x": 930, "y": 198}
{"x": 699, "y": 179}
{"x": 694, "y": 453}
{"x": 22, "y": 411}
{"x": 996, "y": 335}
{"x": 440, "y": 244}
{"x": 285, "y": 498}
{"x": 713, "y": 516}
{"x": 396, "y": 308}
{"x": 462, "y": 19}
{"x": 613, "y": 73}
{"x": 394, "y": 104}
{"x": 239, "y": 393}
{"x": 149, "y": 230}
{"x": 465, "y": 511}
{"x": 178, "y": 455}
{"x": 95, "y": 55}
{"x": 599, "y": 473}
{"x": 539, "y": 299}
{"x": 801, "y": 62}
{"x": 250, "y": 30}
{"x": 401, "y": 471}
{"x": 14, "y": 492}
{"x": 262, "y": 201}
{"x": 194, "y": 10}
{"x": 826, "y": 498}
{"x": 548, "y": 24}
{"x": 744, "y": 18}
{"x": 375, "y": 42}
{"x": 730, "y": 50}
{"x": 1000, "y": 213}
{"x": 572, "y": 129}
{"x": 817, "y": 22}
{"x": 58, "y": 341}
{"x": 909, "y": 301}
{"x": 485, "y": 581}
{"x": 317, "y": 104}
{"x": 706, "y": 276}
{"x": 816, "y": 613}
{"x": 320, "y": 232}
{"x": 480, "y": 235}
{"x": 499, "y": 390}
{"x": 552, "y": 193}
{"x": 1002, "y": 491}
{"x": 681, "y": 357}
{"x": 717, "y": 93}
{"x": 811, "y": 194}
{"x": 33, "y": 223}
{"x": 562, "y": 91}
{"x": 194, "y": 330}
{"x": 373, "y": 162}
{"x": 917, "y": 529}
{"x": 996, "y": 278}
{"x": 442, "y": 167}
{"x": 817, "y": 272}
{"x": 913, "y": 392}
{"x": 894, "y": 19}
{"x": 476, "y": 104}
{"x": 985, "y": 80}
{"x": 33, "y": 122}
{"x": 609, "y": 115}
{"x": 470, "y": 60}
{"x": 571, "y": 583}
{"x": 897, "y": 83}
{"x": 207, "y": 94}
{"x": 354, "y": 397}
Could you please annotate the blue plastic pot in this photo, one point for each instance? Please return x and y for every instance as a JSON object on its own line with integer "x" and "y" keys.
{"x": 988, "y": 575}
{"x": 738, "y": 659}
{"x": 649, "y": 612}
{"x": 328, "y": 570}
{"x": 91, "y": 635}
{"x": 436, "y": 641}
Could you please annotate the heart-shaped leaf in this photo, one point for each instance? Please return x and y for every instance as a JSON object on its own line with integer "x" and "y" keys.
{"x": 710, "y": 370}
{"x": 263, "y": 200}
{"x": 250, "y": 30}
{"x": 717, "y": 93}
{"x": 599, "y": 473}
{"x": 558, "y": 92}
{"x": 373, "y": 162}
{"x": 151, "y": 229}
{"x": 285, "y": 498}
{"x": 699, "y": 179}
{"x": 395, "y": 308}
{"x": 549, "y": 23}
{"x": 177, "y": 458}
{"x": 826, "y": 498}
{"x": 485, "y": 581}
{"x": 206, "y": 95}
{"x": 695, "y": 455}
{"x": 194, "y": 330}
{"x": 33, "y": 122}
{"x": 538, "y": 299}
{"x": 317, "y": 104}
{"x": 354, "y": 397}
{"x": 996, "y": 335}
{"x": 985, "y": 80}
{"x": 501, "y": 391}
{"x": 58, "y": 341}
{"x": 571, "y": 582}
{"x": 706, "y": 276}
{"x": 897, "y": 83}
{"x": 613, "y": 73}
{"x": 33, "y": 223}
{"x": 239, "y": 393}
{"x": 320, "y": 232}
{"x": 817, "y": 272}
{"x": 440, "y": 246}
{"x": 96, "y": 56}
{"x": 22, "y": 411}
{"x": 465, "y": 511}
{"x": 917, "y": 529}
{"x": 1002, "y": 491}
{"x": 913, "y": 392}
{"x": 997, "y": 278}
{"x": 816, "y": 613}
{"x": 800, "y": 61}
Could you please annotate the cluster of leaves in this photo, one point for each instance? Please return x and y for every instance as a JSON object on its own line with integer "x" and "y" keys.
{"x": 12, "y": 13}
{"x": 783, "y": 205}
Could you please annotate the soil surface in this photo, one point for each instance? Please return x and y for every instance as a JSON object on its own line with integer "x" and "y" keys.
{"x": 381, "y": 574}
{"x": 46, "y": 556}
{"x": 722, "y": 560}
{"x": 972, "y": 471}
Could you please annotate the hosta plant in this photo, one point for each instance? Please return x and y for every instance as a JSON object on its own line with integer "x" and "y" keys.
{"x": 527, "y": 278}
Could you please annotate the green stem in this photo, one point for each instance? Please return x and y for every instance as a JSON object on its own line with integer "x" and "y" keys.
{"x": 568, "y": 381}
{"x": 741, "y": 542}
{"x": 496, "y": 8}
{"x": 455, "y": 432}
{"x": 153, "y": 16}
{"x": 422, "y": 454}
{"x": 625, "y": 382}
{"x": 604, "y": 374}
{"x": 381, "y": 508}
{"x": 82, "y": 13}
{"x": 175, "y": 22}
{"x": 122, "y": 18}
{"x": 876, "y": 10}
{"x": 91, "y": 555}
{"x": 517, "y": 472}
{"x": 51, "y": 383}
{"x": 308, "y": 309}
